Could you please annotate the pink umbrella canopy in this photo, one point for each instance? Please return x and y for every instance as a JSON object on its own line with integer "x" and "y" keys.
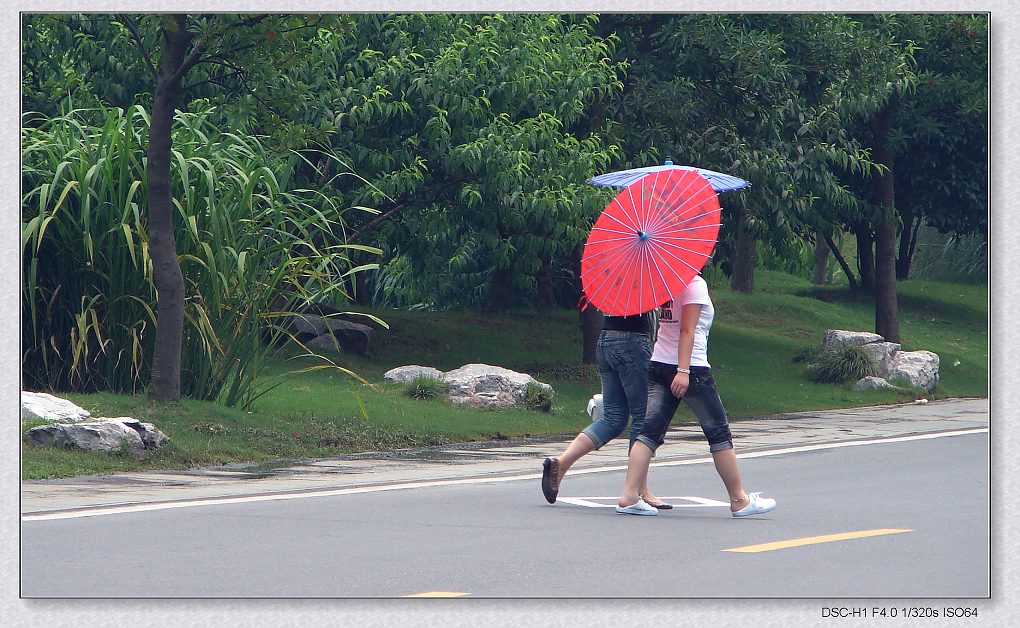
{"x": 650, "y": 241}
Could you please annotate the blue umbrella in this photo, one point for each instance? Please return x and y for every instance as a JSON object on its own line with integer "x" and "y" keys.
{"x": 720, "y": 182}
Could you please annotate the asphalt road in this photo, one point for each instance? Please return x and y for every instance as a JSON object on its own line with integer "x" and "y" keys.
{"x": 923, "y": 502}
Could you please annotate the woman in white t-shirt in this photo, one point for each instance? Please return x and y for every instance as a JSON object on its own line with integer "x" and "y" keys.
{"x": 680, "y": 370}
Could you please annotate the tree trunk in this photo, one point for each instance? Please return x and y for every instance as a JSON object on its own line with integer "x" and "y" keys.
{"x": 362, "y": 293}
{"x": 544, "y": 278}
{"x": 821, "y": 260}
{"x": 887, "y": 322}
{"x": 865, "y": 255}
{"x": 746, "y": 254}
{"x": 165, "y": 384}
{"x": 591, "y": 326}
{"x": 589, "y": 318}
{"x": 500, "y": 291}
{"x": 908, "y": 245}
{"x": 842, "y": 262}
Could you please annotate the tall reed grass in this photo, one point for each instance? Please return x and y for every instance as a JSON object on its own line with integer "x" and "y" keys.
{"x": 252, "y": 246}
{"x": 949, "y": 256}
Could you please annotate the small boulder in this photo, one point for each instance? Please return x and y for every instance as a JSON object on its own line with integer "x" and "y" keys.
{"x": 49, "y": 408}
{"x": 916, "y": 368}
{"x": 93, "y": 435}
{"x": 105, "y": 434}
{"x": 872, "y": 383}
{"x": 839, "y": 338}
{"x": 409, "y": 372}
{"x": 482, "y": 385}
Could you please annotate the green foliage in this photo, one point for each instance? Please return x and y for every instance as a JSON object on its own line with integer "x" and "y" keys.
{"x": 425, "y": 387}
{"x": 941, "y": 135}
{"x": 841, "y": 366}
{"x": 765, "y": 97}
{"x": 954, "y": 257}
{"x": 538, "y": 398}
{"x": 247, "y": 244}
{"x": 465, "y": 130}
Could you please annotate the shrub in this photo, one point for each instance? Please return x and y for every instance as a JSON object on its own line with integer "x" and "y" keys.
{"x": 538, "y": 398}
{"x": 253, "y": 248}
{"x": 425, "y": 387}
{"x": 839, "y": 366}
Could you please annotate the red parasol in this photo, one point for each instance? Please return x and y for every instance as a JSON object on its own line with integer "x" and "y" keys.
{"x": 650, "y": 241}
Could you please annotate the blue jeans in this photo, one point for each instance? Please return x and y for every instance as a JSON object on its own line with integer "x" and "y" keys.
{"x": 623, "y": 368}
{"x": 702, "y": 397}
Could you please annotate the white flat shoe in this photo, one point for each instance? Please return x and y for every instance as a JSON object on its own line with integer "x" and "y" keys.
{"x": 756, "y": 505}
{"x": 640, "y": 507}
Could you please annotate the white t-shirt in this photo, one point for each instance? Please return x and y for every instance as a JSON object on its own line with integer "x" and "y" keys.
{"x": 669, "y": 325}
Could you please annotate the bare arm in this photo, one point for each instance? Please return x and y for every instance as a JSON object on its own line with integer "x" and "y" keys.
{"x": 689, "y": 316}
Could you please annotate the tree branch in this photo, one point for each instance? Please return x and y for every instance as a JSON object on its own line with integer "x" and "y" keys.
{"x": 233, "y": 51}
{"x": 253, "y": 20}
{"x": 191, "y": 61}
{"x": 214, "y": 79}
{"x": 381, "y": 217}
{"x": 133, "y": 29}
{"x": 375, "y": 221}
{"x": 842, "y": 262}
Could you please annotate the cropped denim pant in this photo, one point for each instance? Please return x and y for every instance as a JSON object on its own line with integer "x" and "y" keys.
{"x": 702, "y": 397}
{"x": 622, "y": 358}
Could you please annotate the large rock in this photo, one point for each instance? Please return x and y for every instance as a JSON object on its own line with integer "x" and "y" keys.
{"x": 49, "y": 408}
{"x": 100, "y": 435}
{"x": 311, "y": 325}
{"x": 482, "y": 385}
{"x": 407, "y": 373}
{"x": 839, "y": 338}
{"x": 884, "y": 354}
{"x": 916, "y": 368}
{"x": 333, "y": 334}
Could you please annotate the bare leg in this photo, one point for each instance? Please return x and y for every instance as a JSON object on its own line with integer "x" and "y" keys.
{"x": 637, "y": 474}
{"x": 726, "y": 465}
{"x": 646, "y": 493}
{"x": 580, "y": 446}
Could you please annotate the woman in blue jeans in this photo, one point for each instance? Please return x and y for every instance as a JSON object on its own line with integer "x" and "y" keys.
{"x": 679, "y": 369}
{"x": 622, "y": 353}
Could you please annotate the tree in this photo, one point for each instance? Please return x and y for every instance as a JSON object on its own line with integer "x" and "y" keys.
{"x": 923, "y": 120}
{"x": 757, "y": 95}
{"x": 177, "y": 54}
{"x": 941, "y": 131}
{"x": 464, "y": 132}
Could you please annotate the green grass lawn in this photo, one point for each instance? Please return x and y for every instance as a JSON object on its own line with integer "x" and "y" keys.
{"x": 753, "y": 341}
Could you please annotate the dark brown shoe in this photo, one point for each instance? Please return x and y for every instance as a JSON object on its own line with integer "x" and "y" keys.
{"x": 550, "y": 479}
{"x": 660, "y": 505}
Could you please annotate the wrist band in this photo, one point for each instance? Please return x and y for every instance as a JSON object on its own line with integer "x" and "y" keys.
{"x": 680, "y": 370}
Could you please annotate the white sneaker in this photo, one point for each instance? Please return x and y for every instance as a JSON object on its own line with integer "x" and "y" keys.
{"x": 640, "y": 507}
{"x": 756, "y": 505}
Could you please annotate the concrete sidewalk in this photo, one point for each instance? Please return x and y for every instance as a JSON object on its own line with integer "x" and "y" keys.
{"x": 472, "y": 460}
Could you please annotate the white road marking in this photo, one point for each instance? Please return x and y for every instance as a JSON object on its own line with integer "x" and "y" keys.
{"x": 678, "y": 502}
{"x": 215, "y": 501}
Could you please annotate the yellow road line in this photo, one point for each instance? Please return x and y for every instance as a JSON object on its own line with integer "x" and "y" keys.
{"x": 439, "y": 594}
{"x": 811, "y": 540}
